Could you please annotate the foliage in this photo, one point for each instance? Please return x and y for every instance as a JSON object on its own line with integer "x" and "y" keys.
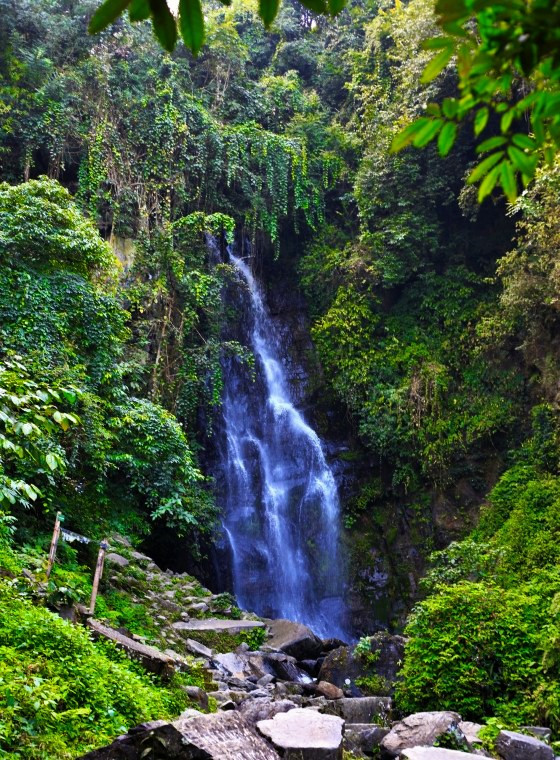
{"x": 190, "y": 23}
{"x": 31, "y": 417}
{"x": 61, "y": 694}
{"x": 507, "y": 65}
{"x": 41, "y": 226}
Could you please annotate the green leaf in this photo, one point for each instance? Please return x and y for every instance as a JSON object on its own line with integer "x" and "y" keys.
{"x": 481, "y": 120}
{"x": 436, "y": 65}
{"x": 524, "y": 141}
{"x": 406, "y": 136}
{"x": 268, "y": 10}
{"x": 164, "y": 24}
{"x": 490, "y": 144}
{"x": 317, "y": 6}
{"x": 51, "y": 461}
{"x": 526, "y": 164}
{"x": 27, "y": 428}
{"x": 335, "y": 6}
{"x": 427, "y": 133}
{"x": 447, "y": 137}
{"x": 106, "y": 14}
{"x": 139, "y": 10}
{"x": 191, "y": 24}
{"x": 484, "y": 166}
{"x": 507, "y": 179}
{"x": 450, "y": 106}
{"x": 437, "y": 43}
{"x": 505, "y": 121}
{"x": 488, "y": 183}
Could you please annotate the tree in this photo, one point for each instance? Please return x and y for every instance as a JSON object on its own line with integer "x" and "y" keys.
{"x": 508, "y": 64}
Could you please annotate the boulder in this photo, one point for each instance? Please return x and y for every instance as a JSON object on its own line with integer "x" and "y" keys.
{"x": 420, "y": 729}
{"x": 198, "y": 649}
{"x": 117, "y": 559}
{"x": 255, "y": 710}
{"x": 470, "y": 731}
{"x": 328, "y": 690}
{"x": 221, "y": 736}
{"x": 434, "y": 753}
{"x": 294, "y": 639}
{"x": 285, "y": 667}
{"x": 304, "y": 734}
{"x": 359, "y": 709}
{"x": 513, "y": 746}
{"x": 363, "y": 738}
{"x": 197, "y": 695}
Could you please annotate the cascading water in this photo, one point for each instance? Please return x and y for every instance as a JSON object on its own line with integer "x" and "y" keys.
{"x": 281, "y": 507}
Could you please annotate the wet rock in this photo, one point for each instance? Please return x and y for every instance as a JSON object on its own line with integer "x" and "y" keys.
{"x": 117, "y": 559}
{"x": 328, "y": 690}
{"x": 434, "y": 753}
{"x": 419, "y": 729}
{"x": 310, "y": 666}
{"x": 221, "y": 736}
{"x": 360, "y": 709}
{"x": 363, "y": 738}
{"x": 304, "y": 734}
{"x": 294, "y": 639}
{"x": 513, "y": 746}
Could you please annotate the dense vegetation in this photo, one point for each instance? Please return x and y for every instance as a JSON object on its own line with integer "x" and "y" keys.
{"x": 435, "y": 324}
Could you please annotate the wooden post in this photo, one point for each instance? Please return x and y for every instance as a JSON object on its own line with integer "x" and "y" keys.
{"x": 54, "y": 542}
{"x": 103, "y": 546}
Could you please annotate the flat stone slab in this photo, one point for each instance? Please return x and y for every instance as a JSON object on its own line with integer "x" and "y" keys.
{"x": 435, "y": 753}
{"x": 305, "y": 734}
{"x": 219, "y": 626}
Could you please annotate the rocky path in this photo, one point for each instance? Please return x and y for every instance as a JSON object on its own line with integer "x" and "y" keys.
{"x": 283, "y": 692}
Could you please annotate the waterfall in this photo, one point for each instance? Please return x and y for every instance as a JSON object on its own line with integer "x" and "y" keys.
{"x": 280, "y": 501}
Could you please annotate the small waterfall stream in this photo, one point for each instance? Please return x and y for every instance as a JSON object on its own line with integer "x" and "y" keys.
{"x": 281, "y": 507}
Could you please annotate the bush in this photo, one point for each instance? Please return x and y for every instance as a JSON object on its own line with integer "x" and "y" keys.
{"x": 61, "y": 694}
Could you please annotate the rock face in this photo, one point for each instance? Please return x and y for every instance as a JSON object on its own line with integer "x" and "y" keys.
{"x": 363, "y": 738}
{"x": 419, "y": 730}
{"x": 343, "y": 664}
{"x": 434, "y": 753}
{"x": 221, "y": 736}
{"x": 513, "y": 746}
{"x": 360, "y": 709}
{"x": 304, "y": 734}
{"x": 294, "y": 639}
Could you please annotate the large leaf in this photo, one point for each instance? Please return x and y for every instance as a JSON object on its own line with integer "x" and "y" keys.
{"x": 139, "y": 10}
{"x": 164, "y": 24}
{"x": 437, "y": 64}
{"x": 191, "y": 24}
{"x": 484, "y": 167}
{"x": 268, "y": 10}
{"x": 106, "y": 14}
{"x": 317, "y": 6}
{"x": 446, "y": 137}
{"x": 507, "y": 179}
{"x": 406, "y": 136}
{"x": 488, "y": 183}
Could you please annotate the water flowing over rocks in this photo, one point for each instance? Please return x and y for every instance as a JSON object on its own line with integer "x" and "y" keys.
{"x": 280, "y": 500}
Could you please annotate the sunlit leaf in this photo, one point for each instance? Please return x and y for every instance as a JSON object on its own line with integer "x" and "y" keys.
{"x": 106, "y": 14}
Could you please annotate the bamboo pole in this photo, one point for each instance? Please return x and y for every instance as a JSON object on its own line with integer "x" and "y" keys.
{"x": 103, "y": 546}
{"x": 54, "y": 542}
